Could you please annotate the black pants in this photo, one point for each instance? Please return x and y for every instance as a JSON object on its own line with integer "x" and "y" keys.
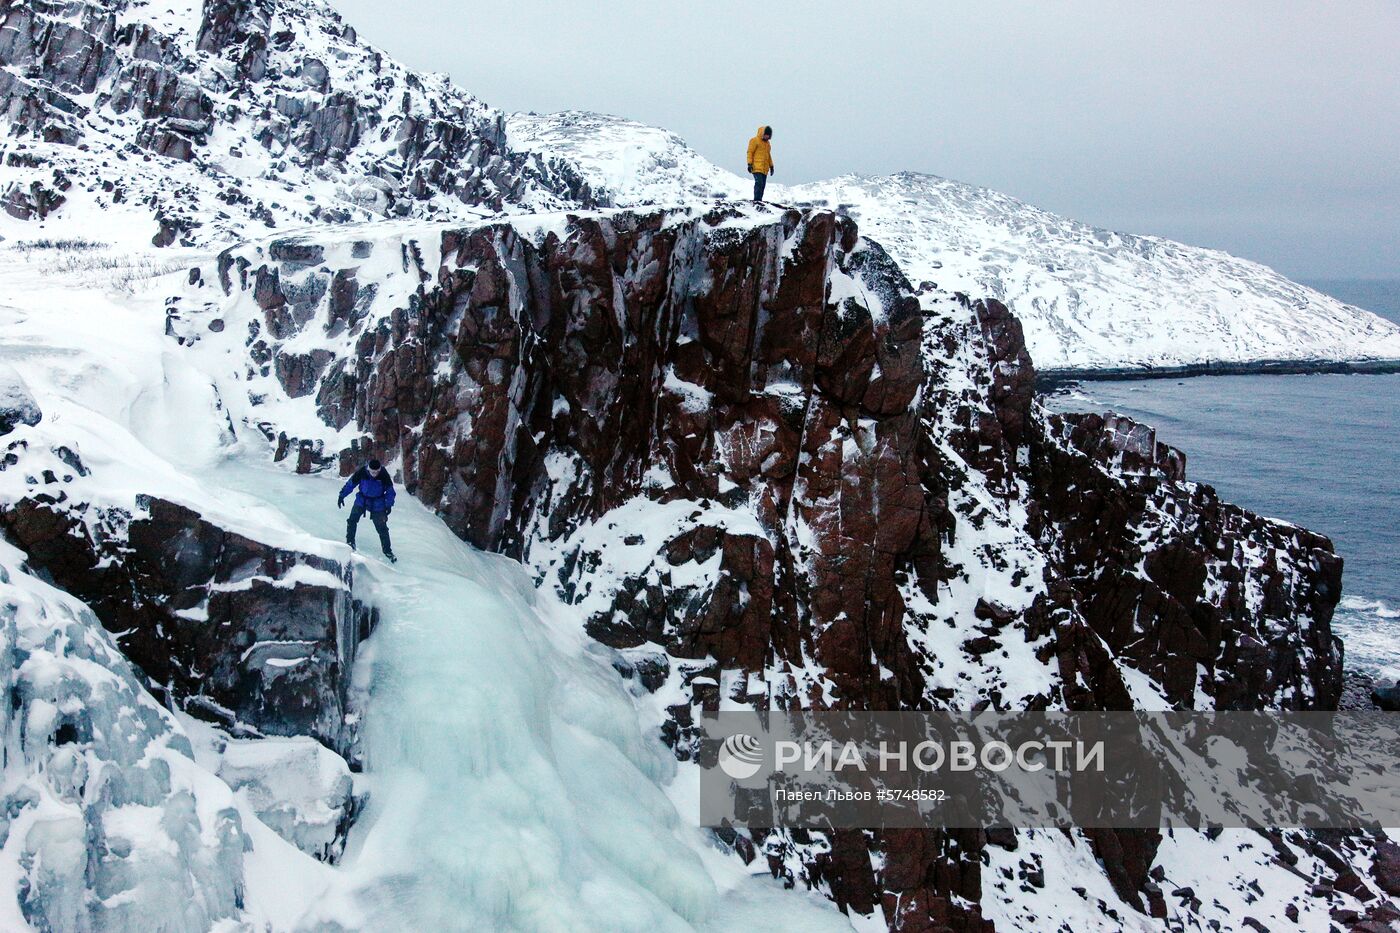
{"x": 760, "y": 181}
{"x": 381, "y": 525}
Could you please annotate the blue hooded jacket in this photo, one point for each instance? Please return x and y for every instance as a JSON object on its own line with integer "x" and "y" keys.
{"x": 372, "y": 493}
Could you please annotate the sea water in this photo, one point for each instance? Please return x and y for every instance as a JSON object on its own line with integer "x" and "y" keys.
{"x": 1317, "y": 450}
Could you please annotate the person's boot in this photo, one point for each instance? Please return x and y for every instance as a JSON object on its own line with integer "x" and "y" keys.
{"x": 389, "y": 556}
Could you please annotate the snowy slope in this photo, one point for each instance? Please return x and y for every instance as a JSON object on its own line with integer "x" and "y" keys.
{"x": 1094, "y": 299}
{"x": 1089, "y": 299}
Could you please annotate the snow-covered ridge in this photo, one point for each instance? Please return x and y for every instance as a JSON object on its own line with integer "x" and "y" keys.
{"x": 1091, "y": 300}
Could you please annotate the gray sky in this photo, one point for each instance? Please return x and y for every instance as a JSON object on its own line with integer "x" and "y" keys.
{"x": 1269, "y": 128}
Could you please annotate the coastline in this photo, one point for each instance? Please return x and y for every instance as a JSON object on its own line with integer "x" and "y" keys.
{"x": 1050, "y": 379}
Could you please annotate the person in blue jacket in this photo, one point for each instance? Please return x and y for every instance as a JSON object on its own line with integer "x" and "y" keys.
{"x": 374, "y": 493}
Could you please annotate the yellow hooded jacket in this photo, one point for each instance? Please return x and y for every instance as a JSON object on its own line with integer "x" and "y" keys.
{"x": 760, "y": 154}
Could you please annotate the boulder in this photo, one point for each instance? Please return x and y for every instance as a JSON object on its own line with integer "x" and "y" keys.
{"x": 1387, "y": 698}
{"x": 253, "y": 636}
{"x": 17, "y": 404}
{"x": 297, "y": 786}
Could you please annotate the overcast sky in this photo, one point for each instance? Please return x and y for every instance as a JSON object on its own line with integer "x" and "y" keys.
{"x": 1269, "y": 128}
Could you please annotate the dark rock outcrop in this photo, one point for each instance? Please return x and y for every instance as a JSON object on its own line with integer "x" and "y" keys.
{"x": 1111, "y": 499}
{"x": 256, "y": 637}
{"x": 32, "y": 201}
{"x": 1387, "y": 698}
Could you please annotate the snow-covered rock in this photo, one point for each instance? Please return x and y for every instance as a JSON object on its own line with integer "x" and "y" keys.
{"x": 108, "y": 821}
{"x": 626, "y": 163}
{"x": 17, "y": 405}
{"x": 101, "y": 792}
{"x": 259, "y": 637}
{"x": 302, "y": 790}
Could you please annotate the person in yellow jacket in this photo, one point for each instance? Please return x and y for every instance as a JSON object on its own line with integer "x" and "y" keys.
{"x": 760, "y": 160}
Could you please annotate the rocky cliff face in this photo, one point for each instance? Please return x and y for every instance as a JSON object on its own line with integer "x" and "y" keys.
{"x": 771, "y": 472}
{"x": 204, "y": 121}
{"x": 1186, "y": 588}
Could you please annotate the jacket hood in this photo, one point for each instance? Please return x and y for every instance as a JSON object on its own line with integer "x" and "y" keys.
{"x": 758, "y": 133}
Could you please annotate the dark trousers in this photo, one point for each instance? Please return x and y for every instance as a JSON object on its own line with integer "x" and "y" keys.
{"x": 381, "y": 525}
{"x": 760, "y": 181}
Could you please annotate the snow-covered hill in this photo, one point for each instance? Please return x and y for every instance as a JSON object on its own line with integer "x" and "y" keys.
{"x": 1091, "y": 300}
{"x": 186, "y": 123}
{"x": 1094, "y": 300}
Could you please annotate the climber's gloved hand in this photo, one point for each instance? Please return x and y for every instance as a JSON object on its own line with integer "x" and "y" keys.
{"x": 340, "y": 503}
